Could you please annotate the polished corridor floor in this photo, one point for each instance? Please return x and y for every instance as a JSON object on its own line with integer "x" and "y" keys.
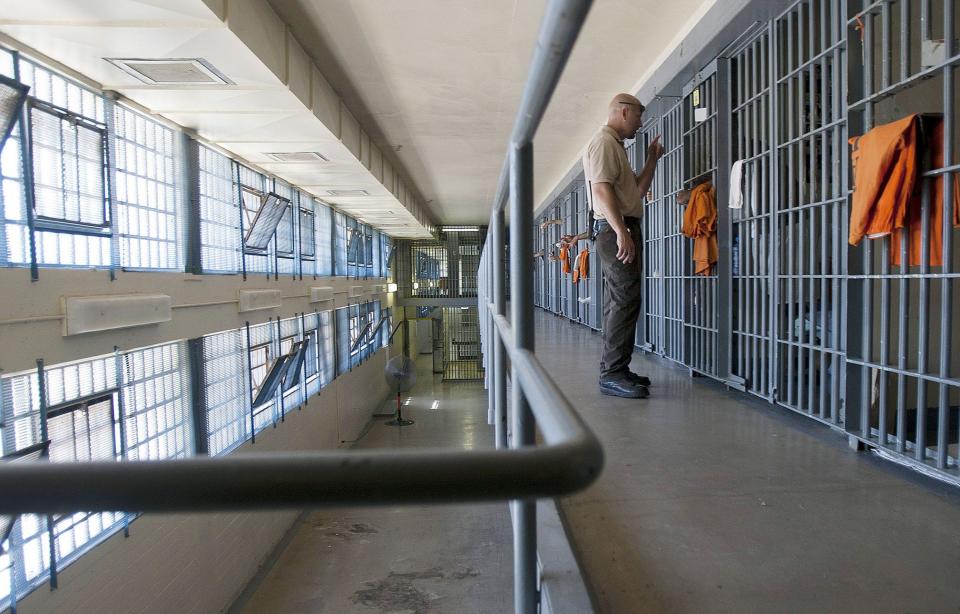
{"x": 711, "y": 501}
{"x": 413, "y": 559}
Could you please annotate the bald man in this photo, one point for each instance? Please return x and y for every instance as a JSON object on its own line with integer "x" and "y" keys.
{"x": 616, "y": 197}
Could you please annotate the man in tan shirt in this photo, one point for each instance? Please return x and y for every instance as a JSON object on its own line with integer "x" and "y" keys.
{"x": 616, "y": 197}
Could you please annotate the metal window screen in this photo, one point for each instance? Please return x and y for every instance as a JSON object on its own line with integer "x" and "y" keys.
{"x": 225, "y": 392}
{"x": 220, "y": 232}
{"x": 149, "y": 220}
{"x": 156, "y": 403}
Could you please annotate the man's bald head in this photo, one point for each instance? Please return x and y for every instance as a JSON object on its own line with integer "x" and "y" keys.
{"x": 625, "y": 115}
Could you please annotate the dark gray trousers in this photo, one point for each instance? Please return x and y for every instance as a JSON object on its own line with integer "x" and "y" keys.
{"x": 621, "y": 299}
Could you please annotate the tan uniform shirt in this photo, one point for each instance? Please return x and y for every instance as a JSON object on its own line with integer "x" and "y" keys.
{"x": 605, "y": 161}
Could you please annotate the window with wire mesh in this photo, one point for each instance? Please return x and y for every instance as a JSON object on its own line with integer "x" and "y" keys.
{"x": 70, "y": 203}
{"x": 354, "y": 237}
{"x": 220, "y": 233}
{"x": 253, "y": 186}
{"x": 325, "y": 348}
{"x": 311, "y": 363}
{"x": 263, "y": 353}
{"x": 387, "y": 329}
{"x": 367, "y": 264}
{"x": 292, "y": 394}
{"x": 25, "y": 558}
{"x": 324, "y": 239}
{"x": 149, "y": 220}
{"x": 82, "y": 426}
{"x": 345, "y": 326}
{"x": 225, "y": 391}
{"x": 308, "y": 232}
{"x": 376, "y": 269}
{"x": 83, "y": 431}
{"x": 386, "y": 254}
{"x": 156, "y": 403}
{"x": 286, "y": 230}
{"x": 429, "y": 270}
{"x": 69, "y": 177}
{"x": 340, "y": 238}
{"x": 14, "y": 240}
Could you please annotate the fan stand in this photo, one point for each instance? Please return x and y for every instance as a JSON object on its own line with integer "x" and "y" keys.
{"x": 399, "y": 420}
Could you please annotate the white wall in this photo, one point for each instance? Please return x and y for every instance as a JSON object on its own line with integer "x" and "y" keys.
{"x": 201, "y": 562}
{"x": 22, "y": 343}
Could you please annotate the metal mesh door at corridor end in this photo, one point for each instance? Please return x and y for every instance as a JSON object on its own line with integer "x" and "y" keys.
{"x": 460, "y": 337}
{"x": 903, "y": 380}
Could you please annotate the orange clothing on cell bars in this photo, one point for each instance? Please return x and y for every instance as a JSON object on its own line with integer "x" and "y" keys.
{"x": 887, "y": 186}
{"x": 700, "y": 224}
{"x": 933, "y": 140}
{"x": 581, "y": 269}
{"x": 565, "y": 260}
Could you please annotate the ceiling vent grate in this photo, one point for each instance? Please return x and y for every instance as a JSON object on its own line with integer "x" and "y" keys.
{"x": 298, "y": 156}
{"x": 348, "y": 193}
{"x": 172, "y": 71}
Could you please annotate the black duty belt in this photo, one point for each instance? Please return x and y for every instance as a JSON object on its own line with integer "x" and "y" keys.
{"x": 601, "y": 225}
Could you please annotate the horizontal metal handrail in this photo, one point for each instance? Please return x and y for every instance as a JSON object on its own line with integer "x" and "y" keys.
{"x": 571, "y": 459}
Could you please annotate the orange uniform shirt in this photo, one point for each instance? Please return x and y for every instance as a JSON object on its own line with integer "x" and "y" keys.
{"x": 700, "y": 224}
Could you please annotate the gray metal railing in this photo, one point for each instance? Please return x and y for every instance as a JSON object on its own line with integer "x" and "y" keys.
{"x": 570, "y": 459}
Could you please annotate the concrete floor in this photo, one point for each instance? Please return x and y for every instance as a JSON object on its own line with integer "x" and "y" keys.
{"x": 713, "y": 501}
{"x": 420, "y": 559}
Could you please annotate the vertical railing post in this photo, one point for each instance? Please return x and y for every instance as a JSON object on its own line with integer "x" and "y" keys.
{"x": 521, "y": 296}
{"x": 496, "y": 256}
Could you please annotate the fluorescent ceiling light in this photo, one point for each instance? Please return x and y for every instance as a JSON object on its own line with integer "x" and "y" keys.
{"x": 460, "y": 229}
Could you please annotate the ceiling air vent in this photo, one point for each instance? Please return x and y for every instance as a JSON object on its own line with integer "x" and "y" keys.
{"x": 298, "y": 156}
{"x": 171, "y": 71}
{"x": 348, "y": 193}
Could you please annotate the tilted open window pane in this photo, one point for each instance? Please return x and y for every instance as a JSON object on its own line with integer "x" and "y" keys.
{"x": 12, "y": 95}
{"x": 68, "y": 167}
{"x": 268, "y": 215}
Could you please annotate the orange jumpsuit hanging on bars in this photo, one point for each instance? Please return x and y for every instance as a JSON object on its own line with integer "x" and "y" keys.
{"x": 700, "y": 224}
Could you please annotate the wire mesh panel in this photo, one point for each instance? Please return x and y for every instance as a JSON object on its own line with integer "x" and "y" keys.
{"x": 676, "y": 251}
{"x": 429, "y": 269}
{"x": 461, "y": 344}
{"x": 903, "y": 380}
{"x": 700, "y": 165}
{"x": 810, "y": 208}
{"x": 468, "y": 246}
{"x": 70, "y": 197}
{"x": 286, "y": 233}
{"x": 750, "y": 215}
{"x": 226, "y": 391}
{"x": 324, "y": 239}
{"x": 149, "y": 220}
{"x": 264, "y": 347}
{"x": 14, "y": 240}
{"x": 251, "y": 187}
{"x": 157, "y": 419}
{"x": 221, "y": 235}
